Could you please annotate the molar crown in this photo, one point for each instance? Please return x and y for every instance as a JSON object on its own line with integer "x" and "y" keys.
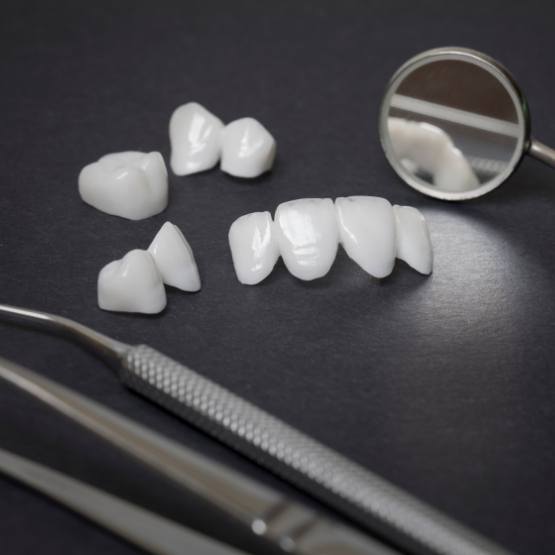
{"x": 133, "y": 185}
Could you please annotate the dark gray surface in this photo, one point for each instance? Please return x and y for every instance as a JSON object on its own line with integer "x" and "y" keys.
{"x": 443, "y": 385}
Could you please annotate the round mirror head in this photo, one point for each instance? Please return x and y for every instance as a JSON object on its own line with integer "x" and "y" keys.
{"x": 453, "y": 123}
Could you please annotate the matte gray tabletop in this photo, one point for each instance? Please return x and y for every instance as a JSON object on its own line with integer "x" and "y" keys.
{"x": 444, "y": 385}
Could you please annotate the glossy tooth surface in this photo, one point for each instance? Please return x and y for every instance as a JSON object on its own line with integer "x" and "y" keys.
{"x": 174, "y": 258}
{"x": 253, "y": 247}
{"x": 130, "y": 184}
{"x": 414, "y": 245}
{"x": 367, "y": 232}
{"x": 248, "y": 149}
{"x": 131, "y": 284}
{"x": 307, "y": 236}
{"x": 195, "y": 139}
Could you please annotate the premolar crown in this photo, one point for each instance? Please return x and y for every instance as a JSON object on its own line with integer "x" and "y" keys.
{"x": 199, "y": 140}
{"x": 306, "y": 233}
{"x": 195, "y": 136}
{"x": 248, "y": 148}
{"x": 130, "y": 184}
{"x": 132, "y": 284}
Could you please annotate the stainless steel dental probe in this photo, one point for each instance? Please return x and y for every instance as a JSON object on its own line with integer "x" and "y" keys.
{"x": 266, "y": 513}
{"x": 138, "y": 526}
{"x": 374, "y": 503}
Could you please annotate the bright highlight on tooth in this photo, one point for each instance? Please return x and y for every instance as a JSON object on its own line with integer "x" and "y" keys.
{"x": 414, "y": 245}
{"x": 174, "y": 258}
{"x": 248, "y": 148}
{"x": 132, "y": 284}
{"x": 130, "y": 184}
{"x": 195, "y": 136}
{"x": 306, "y": 233}
{"x": 253, "y": 247}
{"x": 367, "y": 232}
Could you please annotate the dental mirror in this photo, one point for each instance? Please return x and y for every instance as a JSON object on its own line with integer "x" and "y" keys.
{"x": 454, "y": 124}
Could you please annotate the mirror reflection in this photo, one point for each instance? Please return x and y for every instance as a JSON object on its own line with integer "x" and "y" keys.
{"x": 453, "y": 125}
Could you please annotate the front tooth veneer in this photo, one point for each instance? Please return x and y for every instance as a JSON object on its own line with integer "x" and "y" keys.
{"x": 254, "y": 249}
{"x": 195, "y": 136}
{"x": 367, "y": 232}
{"x": 414, "y": 245}
{"x": 132, "y": 185}
{"x": 248, "y": 148}
{"x": 307, "y": 236}
{"x": 174, "y": 258}
{"x": 132, "y": 284}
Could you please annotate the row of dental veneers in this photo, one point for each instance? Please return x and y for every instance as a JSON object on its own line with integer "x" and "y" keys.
{"x": 307, "y": 232}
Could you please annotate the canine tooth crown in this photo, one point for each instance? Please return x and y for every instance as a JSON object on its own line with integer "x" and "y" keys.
{"x": 195, "y": 136}
{"x": 131, "y": 284}
{"x": 174, "y": 258}
{"x": 414, "y": 245}
{"x": 130, "y": 184}
{"x": 253, "y": 247}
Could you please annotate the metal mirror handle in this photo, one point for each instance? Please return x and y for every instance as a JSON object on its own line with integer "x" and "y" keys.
{"x": 542, "y": 152}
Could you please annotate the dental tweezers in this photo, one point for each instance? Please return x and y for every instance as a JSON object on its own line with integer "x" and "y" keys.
{"x": 138, "y": 526}
{"x": 374, "y": 503}
{"x": 281, "y": 521}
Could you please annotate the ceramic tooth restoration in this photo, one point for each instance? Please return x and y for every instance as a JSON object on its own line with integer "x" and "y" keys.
{"x": 195, "y": 136}
{"x": 307, "y": 236}
{"x": 248, "y": 148}
{"x": 130, "y": 184}
{"x": 174, "y": 258}
{"x": 422, "y": 146}
{"x": 367, "y": 232}
{"x": 253, "y": 247}
{"x": 306, "y": 233}
{"x": 414, "y": 245}
{"x": 132, "y": 284}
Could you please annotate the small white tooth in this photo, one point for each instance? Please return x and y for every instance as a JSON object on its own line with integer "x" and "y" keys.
{"x": 307, "y": 236}
{"x": 367, "y": 232}
{"x": 414, "y": 245}
{"x": 131, "y": 284}
{"x": 248, "y": 148}
{"x": 174, "y": 258}
{"x": 253, "y": 247}
{"x": 132, "y": 185}
{"x": 195, "y": 136}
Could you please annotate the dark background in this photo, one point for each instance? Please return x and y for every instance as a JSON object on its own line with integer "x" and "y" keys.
{"x": 444, "y": 385}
